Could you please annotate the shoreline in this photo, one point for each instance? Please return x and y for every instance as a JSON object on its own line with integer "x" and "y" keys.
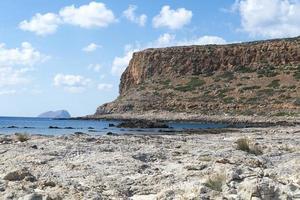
{"x": 198, "y": 118}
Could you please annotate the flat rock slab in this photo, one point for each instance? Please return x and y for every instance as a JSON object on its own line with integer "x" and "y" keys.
{"x": 138, "y": 167}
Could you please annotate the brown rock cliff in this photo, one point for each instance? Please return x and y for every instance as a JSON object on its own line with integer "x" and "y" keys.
{"x": 236, "y": 78}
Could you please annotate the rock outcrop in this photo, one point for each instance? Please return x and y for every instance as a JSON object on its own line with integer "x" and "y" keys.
{"x": 245, "y": 78}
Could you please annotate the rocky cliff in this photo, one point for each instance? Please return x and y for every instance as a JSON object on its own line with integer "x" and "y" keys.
{"x": 239, "y": 79}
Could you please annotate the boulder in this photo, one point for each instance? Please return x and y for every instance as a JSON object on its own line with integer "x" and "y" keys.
{"x": 18, "y": 175}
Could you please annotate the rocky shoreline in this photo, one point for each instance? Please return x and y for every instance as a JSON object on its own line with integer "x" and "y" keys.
{"x": 261, "y": 121}
{"x": 247, "y": 163}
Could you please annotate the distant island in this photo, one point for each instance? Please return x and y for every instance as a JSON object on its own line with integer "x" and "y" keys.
{"x": 55, "y": 114}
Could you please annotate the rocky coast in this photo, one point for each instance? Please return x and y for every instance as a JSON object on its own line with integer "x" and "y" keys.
{"x": 247, "y": 163}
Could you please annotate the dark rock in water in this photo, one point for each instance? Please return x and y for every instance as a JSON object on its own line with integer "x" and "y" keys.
{"x": 69, "y": 128}
{"x": 80, "y": 133}
{"x": 142, "y": 124}
{"x": 111, "y": 125}
{"x": 112, "y": 134}
{"x": 54, "y": 127}
{"x": 167, "y": 131}
{"x": 90, "y": 128}
{"x": 12, "y": 127}
{"x": 55, "y": 114}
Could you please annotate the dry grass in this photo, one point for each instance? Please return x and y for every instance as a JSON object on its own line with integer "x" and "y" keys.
{"x": 22, "y": 137}
{"x": 244, "y": 144}
{"x": 216, "y": 182}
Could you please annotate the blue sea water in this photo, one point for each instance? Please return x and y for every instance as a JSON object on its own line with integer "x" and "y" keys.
{"x": 11, "y": 125}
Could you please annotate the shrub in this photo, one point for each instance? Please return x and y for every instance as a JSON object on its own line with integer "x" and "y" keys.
{"x": 216, "y": 182}
{"x": 243, "y": 144}
{"x": 166, "y": 82}
{"x": 228, "y": 100}
{"x": 267, "y": 71}
{"x": 274, "y": 84}
{"x": 297, "y": 75}
{"x": 191, "y": 85}
{"x": 254, "y": 100}
{"x": 22, "y": 137}
{"x": 267, "y": 92}
{"x": 255, "y": 87}
{"x": 292, "y": 87}
{"x": 227, "y": 75}
{"x": 244, "y": 69}
{"x": 297, "y": 102}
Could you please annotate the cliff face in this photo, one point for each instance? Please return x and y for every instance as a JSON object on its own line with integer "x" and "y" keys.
{"x": 212, "y": 79}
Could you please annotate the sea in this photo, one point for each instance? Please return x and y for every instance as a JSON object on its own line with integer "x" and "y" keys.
{"x": 46, "y": 126}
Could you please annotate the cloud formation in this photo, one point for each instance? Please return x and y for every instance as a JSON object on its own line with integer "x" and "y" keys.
{"x": 104, "y": 87}
{"x": 270, "y": 18}
{"x": 172, "y": 19}
{"x": 92, "y": 15}
{"x": 41, "y": 24}
{"x": 11, "y": 77}
{"x": 7, "y": 92}
{"x": 91, "y": 47}
{"x": 131, "y": 16}
{"x": 71, "y": 83}
{"x": 15, "y": 63}
{"x": 26, "y": 55}
{"x": 95, "y": 67}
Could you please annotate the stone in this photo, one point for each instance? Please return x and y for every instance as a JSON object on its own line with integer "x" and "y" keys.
{"x": 33, "y": 196}
{"x": 19, "y": 175}
{"x": 142, "y": 124}
{"x": 2, "y": 186}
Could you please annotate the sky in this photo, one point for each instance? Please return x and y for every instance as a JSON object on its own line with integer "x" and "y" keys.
{"x": 67, "y": 54}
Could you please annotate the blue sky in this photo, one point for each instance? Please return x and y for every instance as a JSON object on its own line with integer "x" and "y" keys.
{"x": 64, "y": 54}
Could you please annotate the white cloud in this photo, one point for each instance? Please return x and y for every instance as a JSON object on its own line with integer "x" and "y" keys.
{"x": 173, "y": 19}
{"x": 104, "y": 87}
{"x": 204, "y": 40}
{"x": 95, "y": 67}
{"x": 91, "y": 47}
{"x": 7, "y": 92}
{"x": 41, "y": 24}
{"x": 88, "y": 16}
{"x": 270, "y": 18}
{"x": 71, "y": 83}
{"x": 91, "y": 15}
{"x": 11, "y": 77}
{"x": 131, "y": 16}
{"x": 165, "y": 40}
{"x": 15, "y": 63}
{"x": 121, "y": 62}
{"x": 25, "y": 55}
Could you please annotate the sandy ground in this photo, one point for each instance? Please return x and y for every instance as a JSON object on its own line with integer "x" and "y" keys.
{"x": 141, "y": 167}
